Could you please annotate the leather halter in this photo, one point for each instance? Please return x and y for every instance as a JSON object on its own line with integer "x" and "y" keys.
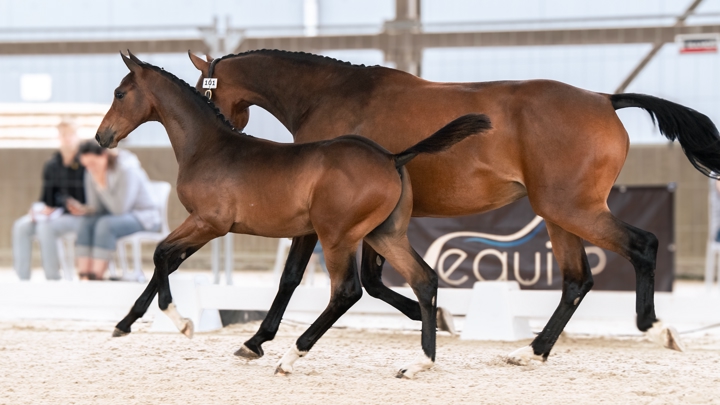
{"x": 211, "y": 70}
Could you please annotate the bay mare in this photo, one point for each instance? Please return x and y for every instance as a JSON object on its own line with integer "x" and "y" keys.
{"x": 560, "y": 146}
{"x": 340, "y": 191}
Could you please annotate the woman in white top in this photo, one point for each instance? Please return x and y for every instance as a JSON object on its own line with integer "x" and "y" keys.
{"x": 119, "y": 203}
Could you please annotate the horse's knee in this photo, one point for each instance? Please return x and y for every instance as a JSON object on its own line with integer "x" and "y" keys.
{"x": 348, "y": 294}
{"x": 290, "y": 280}
{"x": 160, "y": 255}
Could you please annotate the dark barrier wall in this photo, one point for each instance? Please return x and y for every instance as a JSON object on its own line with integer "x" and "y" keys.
{"x": 512, "y": 243}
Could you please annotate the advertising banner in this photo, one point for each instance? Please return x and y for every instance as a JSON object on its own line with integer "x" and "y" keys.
{"x": 512, "y": 243}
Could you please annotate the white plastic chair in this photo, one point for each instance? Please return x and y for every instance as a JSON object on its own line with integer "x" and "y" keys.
{"x": 713, "y": 247}
{"x": 66, "y": 255}
{"x": 160, "y": 191}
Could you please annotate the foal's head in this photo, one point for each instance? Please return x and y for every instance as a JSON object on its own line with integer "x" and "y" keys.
{"x": 131, "y": 106}
{"x": 231, "y": 100}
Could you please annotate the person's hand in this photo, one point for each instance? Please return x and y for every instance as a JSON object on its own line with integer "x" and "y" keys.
{"x": 48, "y": 210}
{"x": 76, "y": 207}
{"x": 99, "y": 178}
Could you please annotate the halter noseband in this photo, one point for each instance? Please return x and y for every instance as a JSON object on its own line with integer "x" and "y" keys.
{"x": 211, "y": 70}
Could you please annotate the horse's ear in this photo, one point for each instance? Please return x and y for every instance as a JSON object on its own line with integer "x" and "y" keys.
{"x": 134, "y": 58}
{"x": 209, "y": 58}
{"x": 131, "y": 64}
{"x": 200, "y": 64}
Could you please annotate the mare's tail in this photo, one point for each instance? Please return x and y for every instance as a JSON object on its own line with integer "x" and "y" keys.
{"x": 696, "y": 134}
{"x": 445, "y": 137}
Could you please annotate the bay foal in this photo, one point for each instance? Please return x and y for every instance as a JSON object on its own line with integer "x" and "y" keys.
{"x": 561, "y": 146}
{"x": 340, "y": 191}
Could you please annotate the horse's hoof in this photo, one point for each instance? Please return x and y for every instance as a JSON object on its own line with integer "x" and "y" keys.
{"x": 667, "y": 336}
{"x": 523, "y": 356}
{"x": 248, "y": 354}
{"x": 189, "y": 329}
{"x": 119, "y": 333}
{"x": 445, "y": 321}
{"x": 422, "y": 364}
{"x": 672, "y": 339}
{"x": 279, "y": 370}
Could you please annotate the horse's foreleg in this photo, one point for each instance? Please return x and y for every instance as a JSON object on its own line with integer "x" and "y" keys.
{"x": 298, "y": 258}
{"x": 169, "y": 254}
{"x": 371, "y": 268}
{"x": 138, "y": 309}
{"x": 345, "y": 291}
{"x": 577, "y": 281}
{"x": 424, "y": 283}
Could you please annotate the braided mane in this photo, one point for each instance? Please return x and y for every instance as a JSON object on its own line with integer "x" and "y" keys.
{"x": 301, "y": 56}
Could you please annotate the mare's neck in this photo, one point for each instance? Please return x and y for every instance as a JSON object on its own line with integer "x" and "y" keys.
{"x": 289, "y": 89}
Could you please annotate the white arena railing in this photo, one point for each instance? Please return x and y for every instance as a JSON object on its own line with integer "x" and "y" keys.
{"x": 489, "y": 311}
{"x": 34, "y": 125}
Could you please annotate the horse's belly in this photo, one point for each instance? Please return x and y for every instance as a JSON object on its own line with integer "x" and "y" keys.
{"x": 274, "y": 226}
{"x": 452, "y": 190}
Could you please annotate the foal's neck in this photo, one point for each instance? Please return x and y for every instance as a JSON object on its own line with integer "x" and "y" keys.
{"x": 191, "y": 123}
{"x": 291, "y": 88}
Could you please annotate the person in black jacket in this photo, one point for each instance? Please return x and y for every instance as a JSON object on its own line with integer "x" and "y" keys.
{"x": 49, "y": 218}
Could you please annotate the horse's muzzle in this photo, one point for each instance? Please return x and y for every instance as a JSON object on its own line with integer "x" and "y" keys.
{"x": 105, "y": 138}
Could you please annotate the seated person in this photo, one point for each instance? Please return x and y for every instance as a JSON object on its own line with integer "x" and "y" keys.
{"x": 48, "y": 218}
{"x": 119, "y": 203}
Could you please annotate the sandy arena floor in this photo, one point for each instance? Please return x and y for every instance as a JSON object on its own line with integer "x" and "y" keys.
{"x": 78, "y": 363}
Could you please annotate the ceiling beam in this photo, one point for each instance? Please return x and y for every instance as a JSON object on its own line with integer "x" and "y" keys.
{"x": 385, "y": 41}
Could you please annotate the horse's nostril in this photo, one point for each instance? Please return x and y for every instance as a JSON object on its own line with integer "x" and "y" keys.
{"x": 97, "y": 138}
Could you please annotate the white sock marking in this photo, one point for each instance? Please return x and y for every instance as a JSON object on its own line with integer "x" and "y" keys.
{"x": 523, "y": 356}
{"x": 666, "y": 336}
{"x": 180, "y": 322}
{"x": 421, "y": 364}
{"x": 285, "y": 365}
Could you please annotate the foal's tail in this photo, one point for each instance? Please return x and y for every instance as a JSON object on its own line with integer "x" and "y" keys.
{"x": 696, "y": 134}
{"x": 446, "y": 137}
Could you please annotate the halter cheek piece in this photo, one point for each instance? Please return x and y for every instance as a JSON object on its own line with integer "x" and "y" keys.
{"x": 209, "y": 83}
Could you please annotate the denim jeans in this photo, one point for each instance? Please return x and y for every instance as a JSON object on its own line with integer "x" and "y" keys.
{"x": 47, "y": 233}
{"x": 98, "y": 234}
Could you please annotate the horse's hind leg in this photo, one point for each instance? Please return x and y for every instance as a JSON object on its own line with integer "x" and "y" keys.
{"x": 345, "y": 291}
{"x": 300, "y": 252}
{"x": 577, "y": 281}
{"x": 640, "y": 248}
{"x": 424, "y": 282}
{"x": 371, "y": 275}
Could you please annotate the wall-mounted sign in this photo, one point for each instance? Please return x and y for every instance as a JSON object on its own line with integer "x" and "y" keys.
{"x": 698, "y": 43}
{"x": 512, "y": 243}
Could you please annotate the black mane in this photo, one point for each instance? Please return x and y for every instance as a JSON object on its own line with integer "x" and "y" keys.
{"x": 299, "y": 56}
{"x": 195, "y": 93}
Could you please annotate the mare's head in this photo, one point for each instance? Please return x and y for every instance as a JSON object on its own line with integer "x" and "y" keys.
{"x": 131, "y": 105}
{"x": 231, "y": 98}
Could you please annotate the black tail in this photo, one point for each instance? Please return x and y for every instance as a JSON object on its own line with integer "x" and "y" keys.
{"x": 446, "y": 137}
{"x": 696, "y": 134}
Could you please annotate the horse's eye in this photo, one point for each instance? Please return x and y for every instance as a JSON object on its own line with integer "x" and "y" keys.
{"x": 119, "y": 95}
